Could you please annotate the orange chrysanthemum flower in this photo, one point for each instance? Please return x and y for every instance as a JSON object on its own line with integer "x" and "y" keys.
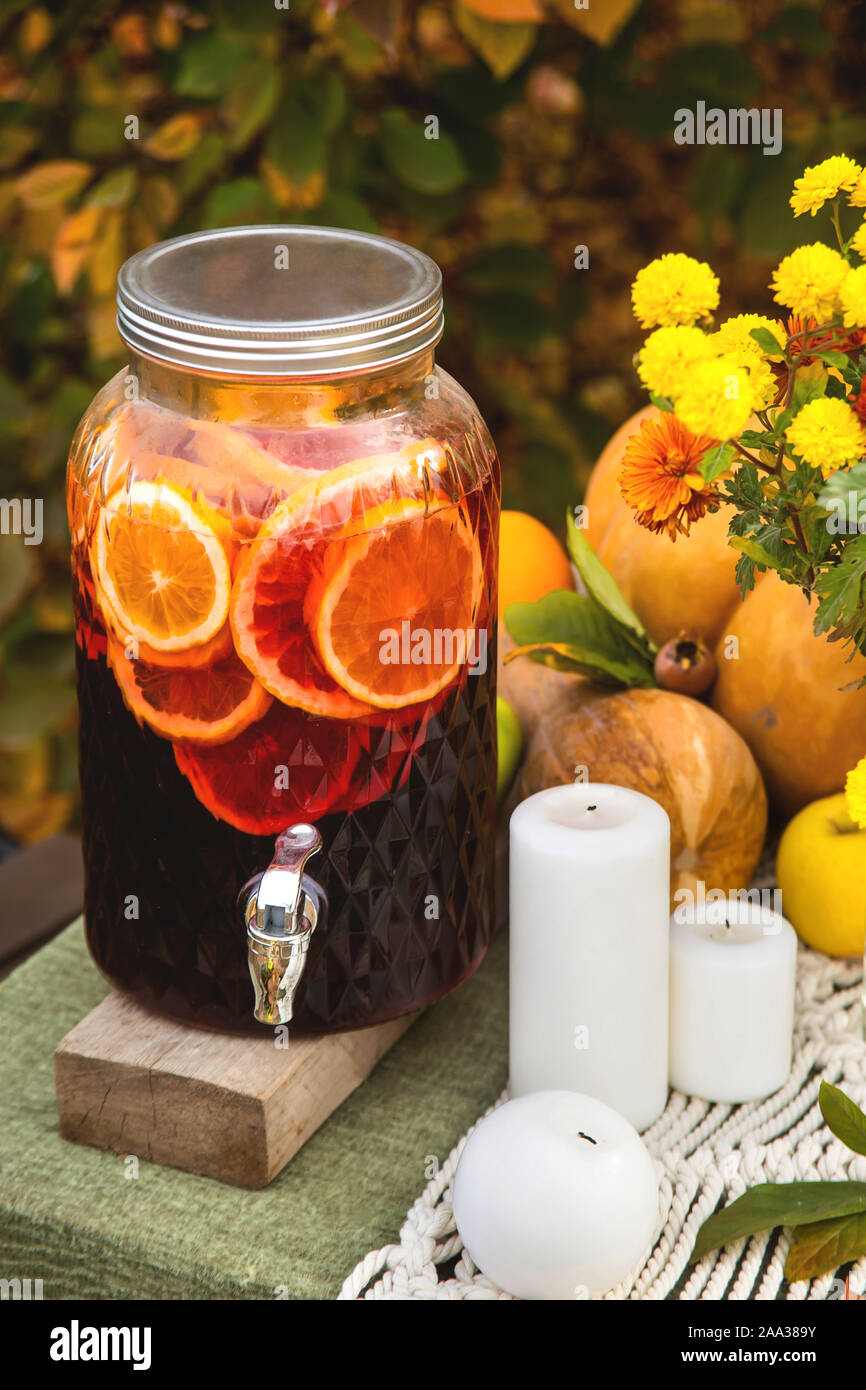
{"x": 659, "y": 476}
{"x": 805, "y": 340}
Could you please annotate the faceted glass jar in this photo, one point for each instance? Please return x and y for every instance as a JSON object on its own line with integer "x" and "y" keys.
{"x": 285, "y": 599}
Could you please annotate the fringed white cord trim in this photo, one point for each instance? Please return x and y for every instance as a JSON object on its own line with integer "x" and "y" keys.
{"x": 707, "y": 1155}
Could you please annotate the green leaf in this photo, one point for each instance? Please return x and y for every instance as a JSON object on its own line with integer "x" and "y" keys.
{"x": 239, "y": 202}
{"x": 572, "y": 633}
{"x": 427, "y": 165}
{"x": 296, "y": 143}
{"x": 809, "y": 384}
{"x": 114, "y": 190}
{"x": 250, "y": 101}
{"x": 823, "y": 1246}
{"x": 601, "y": 585}
{"x": 843, "y": 1117}
{"x": 502, "y": 46}
{"x": 744, "y": 574}
{"x": 208, "y": 63}
{"x": 841, "y": 587}
{"x": 833, "y": 357}
{"x": 749, "y": 546}
{"x": 715, "y": 462}
{"x": 769, "y": 1204}
{"x": 844, "y": 494}
{"x": 342, "y": 209}
{"x": 767, "y": 342}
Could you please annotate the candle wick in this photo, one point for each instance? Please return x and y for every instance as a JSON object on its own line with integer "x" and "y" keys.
{"x": 581, "y": 1135}
{"x": 592, "y": 808}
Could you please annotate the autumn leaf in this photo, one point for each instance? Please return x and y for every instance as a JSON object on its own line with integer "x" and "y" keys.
{"x": 36, "y": 30}
{"x": 72, "y": 246}
{"x": 502, "y": 46}
{"x": 176, "y": 137}
{"x": 599, "y": 22}
{"x": 53, "y": 183}
{"x": 823, "y": 1246}
{"x": 289, "y": 194}
{"x": 102, "y": 336}
{"x": 159, "y": 200}
{"x": 106, "y": 255}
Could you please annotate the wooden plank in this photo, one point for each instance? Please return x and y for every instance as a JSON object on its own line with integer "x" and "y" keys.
{"x": 232, "y": 1108}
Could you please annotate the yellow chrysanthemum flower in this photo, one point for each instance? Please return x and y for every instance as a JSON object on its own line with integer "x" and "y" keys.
{"x": 824, "y": 181}
{"x": 855, "y": 794}
{"x": 667, "y": 355}
{"x": 735, "y": 334}
{"x": 809, "y": 281}
{"x": 734, "y": 337}
{"x": 857, "y": 197}
{"x": 674, "y": 289}
{"x": 853, "y": 298}
{"x": 827, "y": 434}
{"x": 858, "y": 241}
{"x": 717, "y": 399}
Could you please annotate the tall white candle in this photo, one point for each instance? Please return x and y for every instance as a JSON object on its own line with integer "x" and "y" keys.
{"x": 589, "y": 912}
{"x": 733, "y": 973}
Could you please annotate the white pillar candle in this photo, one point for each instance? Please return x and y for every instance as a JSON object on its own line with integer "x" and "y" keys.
{"x": 589, "y": 912}
{"x": 733, "y": 973}
{"x": 556, "y": 1197}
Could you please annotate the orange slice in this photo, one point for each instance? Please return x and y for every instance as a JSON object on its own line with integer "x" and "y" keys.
{"x": 392, "y": 614}
{"x": 160, "y": 567}
{"x": 209, "y": 704}
{"x": 289, "y": 556}
{"x": 221, "y": 464}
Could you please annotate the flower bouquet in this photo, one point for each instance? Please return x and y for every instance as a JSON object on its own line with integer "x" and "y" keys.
{"x": 765, "y": 414}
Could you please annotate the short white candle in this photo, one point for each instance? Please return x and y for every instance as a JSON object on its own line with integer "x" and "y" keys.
{"x": 733, "y": 974}
{"x": 589, "y": 911}
{"x": 556, "y": 1197}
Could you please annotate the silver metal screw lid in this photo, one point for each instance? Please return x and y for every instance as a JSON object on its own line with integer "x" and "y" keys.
{"x": 282, "y": 301}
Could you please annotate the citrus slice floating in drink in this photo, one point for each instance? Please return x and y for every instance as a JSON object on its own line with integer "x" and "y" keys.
{"x": 160, "y": 567}
{"x": 219, "y": 463}
{"x": 292, "y": 766}
{"x": 207, "y": 705}
{"x": 287, "y": 559}
{"x": 288, "y": 767}
{"x": 392, "y": 613}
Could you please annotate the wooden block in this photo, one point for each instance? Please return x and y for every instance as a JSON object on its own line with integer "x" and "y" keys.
{"x": 232, "y": 1108}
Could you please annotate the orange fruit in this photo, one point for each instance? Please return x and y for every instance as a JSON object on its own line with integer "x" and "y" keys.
{"x": 289, "y": 555}
{"x": 531, "y": 561}
{"x": 160, "y": 567}
{"x": 205, "y": 704}
{"x": 413, "y": 567}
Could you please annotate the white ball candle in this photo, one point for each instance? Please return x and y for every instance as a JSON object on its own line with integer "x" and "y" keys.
{"x": 733, "y": 975}
{"x": 556, "y": 1196}
{"x": 589, "y": 911}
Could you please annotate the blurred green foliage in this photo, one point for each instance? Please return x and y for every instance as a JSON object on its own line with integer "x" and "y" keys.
{"x": 553, "y": 130}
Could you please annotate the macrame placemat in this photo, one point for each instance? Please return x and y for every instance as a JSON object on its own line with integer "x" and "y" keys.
{"x": 706, "y": 1156}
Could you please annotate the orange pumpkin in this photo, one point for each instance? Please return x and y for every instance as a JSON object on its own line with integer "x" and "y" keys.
{"x": 779, "y": 685}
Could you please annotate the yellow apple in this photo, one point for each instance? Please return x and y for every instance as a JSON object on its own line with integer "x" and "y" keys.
{"x": 821, "y": 871}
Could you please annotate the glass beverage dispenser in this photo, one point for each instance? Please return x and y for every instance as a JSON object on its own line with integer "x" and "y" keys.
{"x": 284, "y": 550}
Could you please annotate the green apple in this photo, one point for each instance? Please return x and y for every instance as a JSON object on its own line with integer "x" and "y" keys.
{"x": 510, "y": 736}
{"x": 821, "y": 871}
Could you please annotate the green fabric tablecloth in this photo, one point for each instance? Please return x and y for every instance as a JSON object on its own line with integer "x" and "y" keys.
{"x": 70, "y": 1216}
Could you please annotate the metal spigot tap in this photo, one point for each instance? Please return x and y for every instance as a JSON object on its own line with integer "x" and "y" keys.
{"x": 281, "y": 915}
